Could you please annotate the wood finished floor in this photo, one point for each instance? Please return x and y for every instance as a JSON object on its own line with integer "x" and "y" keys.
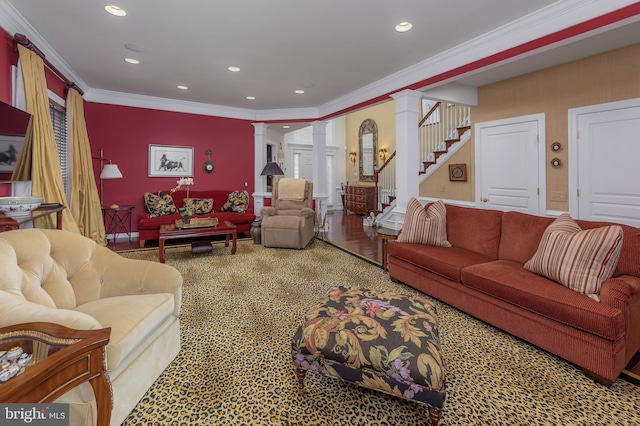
{"x": 347, "y": 232}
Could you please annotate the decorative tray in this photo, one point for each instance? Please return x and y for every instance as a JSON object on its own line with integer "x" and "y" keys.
{"x": 198, "y": 222}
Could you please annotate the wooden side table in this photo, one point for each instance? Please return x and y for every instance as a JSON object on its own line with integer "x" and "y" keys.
{"x": 63, "y": 358}
{"x": 386, "y": 234}
{"x": 117, "y": 219}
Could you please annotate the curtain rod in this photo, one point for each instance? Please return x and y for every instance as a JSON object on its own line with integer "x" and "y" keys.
{"x": 24, "y": 41}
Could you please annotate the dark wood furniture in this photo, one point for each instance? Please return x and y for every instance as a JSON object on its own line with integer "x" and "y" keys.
{"x": 359, "y": 199}
{"x": 172, "y": 232}
{"x": 63, "y": 358}
{"x": 117, "y": 219}
{"x": 9, "y": 223}
{"x": 386, "y": 234}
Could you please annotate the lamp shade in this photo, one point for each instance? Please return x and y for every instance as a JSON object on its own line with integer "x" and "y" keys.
{"x": 110, "y": 171}
{"x": 272, "y": 169}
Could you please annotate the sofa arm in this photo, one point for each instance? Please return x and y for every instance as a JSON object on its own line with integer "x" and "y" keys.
{"x": 121, "y": 276}
{"x": 616, "y": 291}
{"x": 16, "y": 310}
{"x": 268, "y": 211}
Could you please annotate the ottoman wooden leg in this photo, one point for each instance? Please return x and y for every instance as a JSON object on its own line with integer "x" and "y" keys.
{"x": 434, "y": 416}
{"x": 300, "y": 376}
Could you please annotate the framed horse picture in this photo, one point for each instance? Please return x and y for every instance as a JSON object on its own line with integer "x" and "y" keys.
{"x": 10, "y": 147}
{"x": 168, "y": 160}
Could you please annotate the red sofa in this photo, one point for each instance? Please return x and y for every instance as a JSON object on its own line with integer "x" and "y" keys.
{"x": 483, "y": 275}
{"x": 149, "y": 228}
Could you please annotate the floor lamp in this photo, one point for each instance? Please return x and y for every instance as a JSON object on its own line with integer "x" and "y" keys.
{"x": 272, "y": 169}
{"x": 107, "y": 171}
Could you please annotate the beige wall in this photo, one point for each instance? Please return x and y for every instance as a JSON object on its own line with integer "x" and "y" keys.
{"x": 608, "y": 77}
{"x": 385, "y": 117}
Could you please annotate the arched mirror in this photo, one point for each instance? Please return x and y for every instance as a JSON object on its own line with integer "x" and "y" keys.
{"x": 368, "y": 141}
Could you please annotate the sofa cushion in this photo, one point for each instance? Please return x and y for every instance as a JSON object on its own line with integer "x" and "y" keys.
{"x": 198, "y": 205}
{"x": 159, "y": 205}
{"x": 474, "y": 229}
{"x": 580, "y": 260}
{"x": 510, "y": 282}
{"x": 629, "y": 254}
{"x": 132, "y": 320}
{"x": 425, "y": 225}
{"x": 238, "y": 201}
{"x": 444, "y": 261}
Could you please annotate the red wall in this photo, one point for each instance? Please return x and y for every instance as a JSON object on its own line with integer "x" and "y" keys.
{"x": 7, "y": 58}
{"x": 126, "y": 132}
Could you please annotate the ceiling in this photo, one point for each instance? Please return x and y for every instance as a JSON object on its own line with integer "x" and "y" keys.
{"x": 328, "y": 48}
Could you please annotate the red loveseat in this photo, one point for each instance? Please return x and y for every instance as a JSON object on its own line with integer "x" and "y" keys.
{"x": 482, "y": 274}
{"x": 149, "y": 227}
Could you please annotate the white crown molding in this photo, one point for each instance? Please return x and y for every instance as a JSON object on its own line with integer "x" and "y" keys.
{"x": 555, "y": 17}
{"x": 166, "y": 104}
{"x": 13, "y": 23}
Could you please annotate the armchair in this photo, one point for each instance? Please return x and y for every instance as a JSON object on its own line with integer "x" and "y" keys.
{"x": 56, "y": 276}
{"x": 289, "y": 222}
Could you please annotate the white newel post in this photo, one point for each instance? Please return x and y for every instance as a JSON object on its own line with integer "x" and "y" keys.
{"x": 260, "y": 158}
{"x": 407, "y": 152}
{"x": 320, "y": 194}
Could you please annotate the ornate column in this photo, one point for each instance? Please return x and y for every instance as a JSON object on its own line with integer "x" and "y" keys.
{"x": 259, "y": 158}
{"x": 319, "y": 138}
{"x": 407, "y": 152}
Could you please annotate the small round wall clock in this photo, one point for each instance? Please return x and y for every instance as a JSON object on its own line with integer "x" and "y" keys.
{"x": 208, "y": 165}
{"x": 458, "y": 172}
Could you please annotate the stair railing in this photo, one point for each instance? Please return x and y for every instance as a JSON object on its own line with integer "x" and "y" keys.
{"x": 438, "y": 129}
{"x": 385, "y": 180}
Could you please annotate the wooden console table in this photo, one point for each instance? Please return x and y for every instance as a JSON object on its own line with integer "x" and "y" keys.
{"x": 359, "y": 199}
{"x": 63, "y": 358}
{"x": 9, "y": 223}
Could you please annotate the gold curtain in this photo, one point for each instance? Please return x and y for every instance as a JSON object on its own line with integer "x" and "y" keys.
{"x": 45, "y": 176}
{"x": 85, "y": 201}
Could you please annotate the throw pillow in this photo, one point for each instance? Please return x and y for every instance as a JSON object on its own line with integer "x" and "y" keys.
{"x": 425, "y": 226}
{"x": 198, "y": 205}
{"x": 159, "y": 205}
{"x": 580, "y": 260}
{"x": 238, "y": 202}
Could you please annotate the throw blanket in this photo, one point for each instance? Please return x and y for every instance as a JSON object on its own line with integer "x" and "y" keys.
{"x": 290, "y": 189}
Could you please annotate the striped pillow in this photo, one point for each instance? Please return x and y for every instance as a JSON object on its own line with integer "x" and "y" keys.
{"x": 580, "y": 260}
{"x": 425, "y": 226}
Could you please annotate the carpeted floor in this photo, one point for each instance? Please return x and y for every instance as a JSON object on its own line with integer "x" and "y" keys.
{"x": 239, "y": 314}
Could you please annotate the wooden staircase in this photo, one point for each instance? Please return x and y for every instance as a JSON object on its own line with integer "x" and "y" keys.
{"x": 440, "y": 129}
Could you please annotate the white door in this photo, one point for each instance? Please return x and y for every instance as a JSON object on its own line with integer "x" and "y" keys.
{"x": 605, "y": 185}
{"x": 510, "y": 164}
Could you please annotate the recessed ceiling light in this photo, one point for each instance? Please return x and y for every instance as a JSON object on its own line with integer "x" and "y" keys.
{"x": 134, "y": 47}
{"x": 251, "y": 98}
{"x": 234, "y": 69}
{"x": 286, "y": 127}
{"x": 132, "y": 61}
{"x": 299, "y": 91}
{"x": 403, "y": 27}
{"x": 181, "y": 87}
{"x": 115, "y": 10}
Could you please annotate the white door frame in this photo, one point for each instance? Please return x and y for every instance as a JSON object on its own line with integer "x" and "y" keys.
{"x": 542, "y": 171}
{"x": 572, "y": 144}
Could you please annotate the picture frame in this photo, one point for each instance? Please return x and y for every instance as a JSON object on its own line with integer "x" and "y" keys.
{"x": 458, "y": 172}
{"x": 10, "y": 148}
{"x": 170, "y": 160}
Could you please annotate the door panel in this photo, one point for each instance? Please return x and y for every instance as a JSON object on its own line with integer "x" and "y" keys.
{"x": 608, "y": 173}
{"x": 508, "y": 165}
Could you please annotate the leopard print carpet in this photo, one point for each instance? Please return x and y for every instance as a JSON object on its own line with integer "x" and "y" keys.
{"x": 240, "y": 312}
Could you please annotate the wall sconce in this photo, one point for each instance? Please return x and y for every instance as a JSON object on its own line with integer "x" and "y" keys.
{"x": 352, "y": 157}
{"x": 382, "y": 153}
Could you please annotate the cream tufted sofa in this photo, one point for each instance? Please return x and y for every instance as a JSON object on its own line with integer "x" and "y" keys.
{"x": 64, "y": 278}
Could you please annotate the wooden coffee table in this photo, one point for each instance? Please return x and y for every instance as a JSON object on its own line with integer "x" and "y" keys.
{"x": 172, "y": 232}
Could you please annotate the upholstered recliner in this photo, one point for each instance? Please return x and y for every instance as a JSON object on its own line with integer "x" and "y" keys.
{"x": 289, "y": 221}
{"x": 64, "y": 278}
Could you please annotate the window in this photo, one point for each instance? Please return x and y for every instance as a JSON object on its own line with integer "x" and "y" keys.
{"x": 59, "y": 121}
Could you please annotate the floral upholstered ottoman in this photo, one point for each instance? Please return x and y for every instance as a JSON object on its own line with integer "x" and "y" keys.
{"x": 382, "y": 341}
